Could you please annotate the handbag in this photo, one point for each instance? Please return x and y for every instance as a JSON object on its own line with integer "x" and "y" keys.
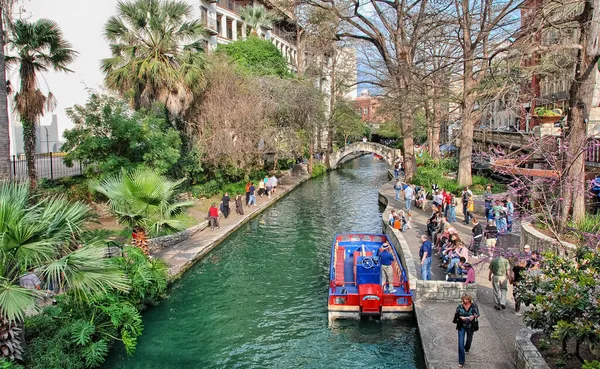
{"x": 475, "y": 325}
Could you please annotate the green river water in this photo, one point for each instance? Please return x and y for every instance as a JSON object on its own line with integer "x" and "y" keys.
{"x": 259, "y": 300}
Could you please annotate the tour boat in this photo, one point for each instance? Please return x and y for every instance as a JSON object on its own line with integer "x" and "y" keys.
{"x": 355, "y": 288}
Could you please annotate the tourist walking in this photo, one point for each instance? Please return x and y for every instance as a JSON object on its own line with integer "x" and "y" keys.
{"x": 387, "y": 273}
{"x": 487, "y": 195}
{"x": 491, "y": 236}
{"x": 409, "y": 193}
{"x": 248, "y": 192}
{"x": 213, "y": 216}
{"x": 466, "y": 322}
{"x": 447, "y": 200}
{"x": 252, "y": 191}
{"x": 398, "y": 188}
{"x": 225, "y": 205}
{"x": 510, "y": 212}
{"x": 238, "y": 204}
{"x": 425, "y": 256}
{"x": 465, "y": 202}
{"x": 453, "y": 203}
{"x": 470, "y": 208}
{"x": 261, "y": 188}
{"x": 274, "y": 183}
{"x": 517, "y": 277}
{"x": 477, "y": 237}
{"x": 499, "y": 275}
{"x": 396, "y": 170}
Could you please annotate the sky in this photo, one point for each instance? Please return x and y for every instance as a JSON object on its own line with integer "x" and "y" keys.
{"x": 82, "y": 22}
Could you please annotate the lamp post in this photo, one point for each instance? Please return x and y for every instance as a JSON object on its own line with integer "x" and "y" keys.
{"x": 553, "y": 101}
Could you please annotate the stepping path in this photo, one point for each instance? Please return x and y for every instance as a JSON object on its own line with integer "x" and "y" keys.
{"x": 494, "y": 344}
{"x": 182, "y": 256}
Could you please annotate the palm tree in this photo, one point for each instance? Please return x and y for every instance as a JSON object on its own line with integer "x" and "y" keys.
{"x": 43, "y": 236}
{"x": 5, "y": 18}
{"x": 156, "y": 54}
{"x": 39, "y": 46}
{"x": 257, "y": 17}
{"x": 144, "y": 201}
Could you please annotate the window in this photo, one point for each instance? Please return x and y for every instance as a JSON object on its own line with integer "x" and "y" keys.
{"x": 365, "y": 111}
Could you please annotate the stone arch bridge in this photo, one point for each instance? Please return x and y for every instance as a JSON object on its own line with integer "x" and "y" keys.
{"x": 390, "y": 155}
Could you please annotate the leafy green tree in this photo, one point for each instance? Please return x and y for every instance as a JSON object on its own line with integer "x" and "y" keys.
{"x": 43, "y": 235}
{"x": 39, "y": 47}
{"x": 347, "y": 122}
{"x": 145, "y": 201}
{"x": 107, "y": 137}
{"x": 256, "y": 56}
{"x": 257, "y": 17}
{"x": 156, "y": 54}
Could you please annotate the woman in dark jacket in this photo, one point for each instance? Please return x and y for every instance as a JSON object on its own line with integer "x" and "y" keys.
{"x": 465, "y": 318}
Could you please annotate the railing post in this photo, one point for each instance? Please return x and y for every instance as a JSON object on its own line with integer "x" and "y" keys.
{"x": 51, "y": 167}
{"x": 14, "y": 160}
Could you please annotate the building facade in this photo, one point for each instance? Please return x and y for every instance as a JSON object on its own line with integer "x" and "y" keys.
{"x": 367, "y": 105}
{"x": 221, "y": 19}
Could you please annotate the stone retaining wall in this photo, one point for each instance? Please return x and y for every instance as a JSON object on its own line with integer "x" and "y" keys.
{"x": 528, "y": 356}
{"x": 540, "y": 242}
{"x": 423, "y": 290}
{"x": 159, "y": 243}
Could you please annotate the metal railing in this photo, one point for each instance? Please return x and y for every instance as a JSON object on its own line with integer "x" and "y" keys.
{"x": 592, "y": 154}
{"x": 49, "y": 165}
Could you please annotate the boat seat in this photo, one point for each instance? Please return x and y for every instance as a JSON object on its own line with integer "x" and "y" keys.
{"x": 339, "y": 266}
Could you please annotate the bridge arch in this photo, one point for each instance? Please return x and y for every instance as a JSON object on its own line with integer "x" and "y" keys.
{"x": 389, "y": 154}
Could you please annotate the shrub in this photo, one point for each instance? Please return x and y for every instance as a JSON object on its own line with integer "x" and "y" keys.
{"x": 589, "y": 224}
{"x": 565, "y": 297}
{"x": 318, "y": 170}
{"x": 206, "y": 190}
{"x": 76, "y": 335}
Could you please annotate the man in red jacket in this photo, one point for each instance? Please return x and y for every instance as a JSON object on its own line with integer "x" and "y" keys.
{"x": 447, "y": 200}
{"x": 213, "y": 216}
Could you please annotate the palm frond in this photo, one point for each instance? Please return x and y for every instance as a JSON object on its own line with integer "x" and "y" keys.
{"x": 15, "y": 301}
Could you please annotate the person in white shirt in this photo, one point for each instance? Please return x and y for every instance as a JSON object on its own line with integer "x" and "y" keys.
{"x": 409, "y": 193}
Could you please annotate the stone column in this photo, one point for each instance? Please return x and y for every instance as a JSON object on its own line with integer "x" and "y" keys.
{"x": 223, "y": 26}
{"x": 268, "y": 34}
{"x": 244, "y": 30}
{"x": 234, "y": 29}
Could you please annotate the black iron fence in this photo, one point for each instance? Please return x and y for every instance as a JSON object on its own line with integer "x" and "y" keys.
{"x": 48, "y": 165}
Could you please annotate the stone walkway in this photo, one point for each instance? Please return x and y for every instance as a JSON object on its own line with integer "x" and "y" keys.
{"x": 494, "y": 343}
{"x": 182, "y": 256}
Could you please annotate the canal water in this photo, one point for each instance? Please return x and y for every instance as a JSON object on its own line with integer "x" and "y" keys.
{"x": 259, "y": 300}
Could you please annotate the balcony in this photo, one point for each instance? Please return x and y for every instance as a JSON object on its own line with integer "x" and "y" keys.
{"x": 211, "y": 25}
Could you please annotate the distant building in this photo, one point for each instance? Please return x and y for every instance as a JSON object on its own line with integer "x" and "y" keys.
{"x": 47, "y": 137}
{"x": 367, "y": 106}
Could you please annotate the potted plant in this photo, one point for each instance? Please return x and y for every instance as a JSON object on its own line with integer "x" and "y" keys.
{"x": 546, "y": 115}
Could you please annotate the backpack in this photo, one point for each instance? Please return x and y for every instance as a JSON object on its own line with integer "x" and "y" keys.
{"x": 397, "y": 224}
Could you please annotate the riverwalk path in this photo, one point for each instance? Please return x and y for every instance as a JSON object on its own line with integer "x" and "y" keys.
{"x": 494, "y": 344}
{"x": 182, "y": 256}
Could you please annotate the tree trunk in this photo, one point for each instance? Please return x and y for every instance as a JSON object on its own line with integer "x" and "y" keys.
{"x": 332, "y": 78}
{"x": 409, "y": 145}
{"x": 429, "y": 122}
{"x": 436, "y": 126}
{"x": 469, "y": 118}
{"x": 29, "y": 143}
{"x": 580, "y": 103}
{"x": 311, "y": 154}
{"x": 4, "y": 112}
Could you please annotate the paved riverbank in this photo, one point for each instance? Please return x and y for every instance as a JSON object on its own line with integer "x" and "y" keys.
{"x": 182, "y": 256}
{"x": 494, "y": 343}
